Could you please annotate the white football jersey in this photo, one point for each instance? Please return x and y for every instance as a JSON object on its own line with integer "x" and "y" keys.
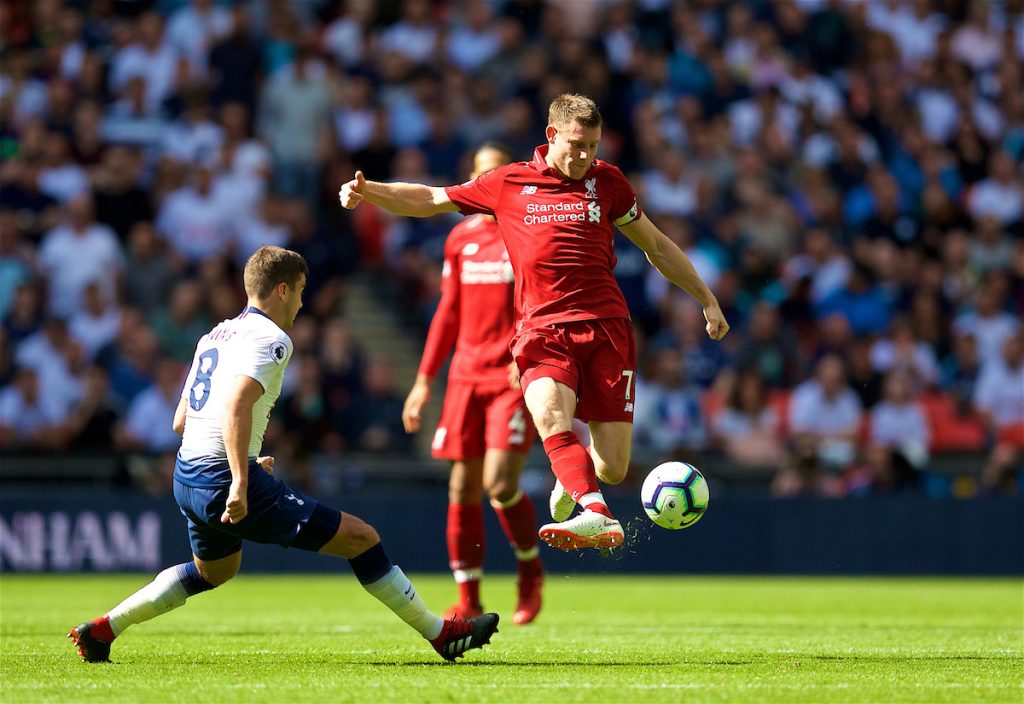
{"x": 250, "y": 345}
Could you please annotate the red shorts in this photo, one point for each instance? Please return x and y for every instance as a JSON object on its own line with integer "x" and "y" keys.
{"x": 478, "y": 417}
{"x": 596, "y": 358}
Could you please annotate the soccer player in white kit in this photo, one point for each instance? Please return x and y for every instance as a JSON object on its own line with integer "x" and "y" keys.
{"x": 227, "y": 492}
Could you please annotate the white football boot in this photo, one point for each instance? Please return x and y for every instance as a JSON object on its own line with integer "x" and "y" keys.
{"x": 587, "y": 530}
{"x": 560, "y": 503}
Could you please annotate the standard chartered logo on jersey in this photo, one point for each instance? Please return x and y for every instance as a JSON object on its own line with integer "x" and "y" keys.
{"x": 576, "y": 211}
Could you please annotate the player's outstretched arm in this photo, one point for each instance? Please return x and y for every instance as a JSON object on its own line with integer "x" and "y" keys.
{"x": 407, "y": 199}
{"x": 672, "y": 263}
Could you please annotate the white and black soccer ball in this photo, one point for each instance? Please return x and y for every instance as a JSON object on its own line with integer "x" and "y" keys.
{"x": 675, "y": 495}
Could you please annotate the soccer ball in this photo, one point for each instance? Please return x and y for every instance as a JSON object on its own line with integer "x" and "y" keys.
{"x": 675, "y": 495}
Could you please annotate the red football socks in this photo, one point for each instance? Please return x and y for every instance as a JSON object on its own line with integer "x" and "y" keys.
{"x": 465, "y": 535}
{"x": 572, "y": 464}
{"x": 518, "y": 519}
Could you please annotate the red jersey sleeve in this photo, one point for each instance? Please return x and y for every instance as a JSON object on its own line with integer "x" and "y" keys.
{"x": 481, "y": 194}
{"x": 444, "y": 326}
{"x": 625, "y": 208}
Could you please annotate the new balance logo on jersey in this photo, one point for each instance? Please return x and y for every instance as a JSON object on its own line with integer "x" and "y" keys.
{"x": 593, "y": 212}
{"x": 528, "y": 190}
{"x": 296, "y": 499}
{"x": 628, "y": 408}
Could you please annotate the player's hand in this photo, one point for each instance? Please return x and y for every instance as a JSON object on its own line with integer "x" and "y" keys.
{"x": 716, "y": 327}
{"x": 418, "y": 397}
{"x": 513, "y": 376}
{"x": 237, "y": 504}
{"x": 267, "y": 463}
{"x": 351, "y": 193}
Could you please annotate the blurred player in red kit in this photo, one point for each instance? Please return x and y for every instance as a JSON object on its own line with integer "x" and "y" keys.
{"x": 485, "y": 429}
{"x": 574, "y": 343}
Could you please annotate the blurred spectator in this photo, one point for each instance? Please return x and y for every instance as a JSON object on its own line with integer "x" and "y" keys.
{"x": 57, "y": 360}
{"x": 961, "y": 368}
{"x": 149, "y": 273}
{"x": 94, "y": 418}
{"x": 61, "y": 178}
{"x": 195, "y": 28}
{"x": 990, "y": 325}
{"x": 356, "y": 115}
{"x": 702, "y": 359}
{"x": 668, "y": 418}
{"x": 96, "y": 324}
{"x": 476, "y": 39}
{"x": 668, "y": 190}
{"x": 825, "y": 415}
{"x": 180, "y": 324}
{"x": 25, "y": 421}
{"x": 342, "y": 368}
{"x": 883, "y": 471}
{"x": 120, "y": 201}
{"x": 897, "y": 421}
{"x": 747, "y": 429}
{"x": 381, "y": 411}
{"x": 294, "y": 118}
{"x": 149, "y": 58}
{"x": 76, "y": 253}
{"x": 861, "y": 302}
{"x": 414, "y": 35}
{"x": 193, "y": 137}
{"x": 1001, "y": 195}
{"x": 770, "y": 350}
{"x": 193, "y": 221}
{"x": 345, "y": 38}
{"x": 235, "y": 62}
{"x": 901, "y": 351}
{"x": 130, "y": 359}
{"x": 26, "y": 314}
{"x": 149, "y": 419}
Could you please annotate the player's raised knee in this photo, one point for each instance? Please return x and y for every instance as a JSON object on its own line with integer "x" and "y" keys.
{"x": 612, "y": 473}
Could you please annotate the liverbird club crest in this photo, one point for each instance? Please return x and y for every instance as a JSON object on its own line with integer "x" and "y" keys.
{"x": 591, "y": 184}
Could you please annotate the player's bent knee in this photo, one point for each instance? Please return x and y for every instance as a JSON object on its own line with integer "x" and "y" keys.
{"x": 217, "y": 572}
{"x": 612, "y": 473}
{"x": 501, "y": 490}
{"x": 353, "y": 537}
{"x": 319, "y": 529}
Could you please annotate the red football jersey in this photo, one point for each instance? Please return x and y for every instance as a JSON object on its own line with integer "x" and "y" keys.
{"x": 559, "y": 234}
{"x": 475, "y": 313}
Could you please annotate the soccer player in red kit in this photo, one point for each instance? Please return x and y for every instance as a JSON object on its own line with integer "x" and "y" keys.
{"x": 573, "y": 343}
{"x": 485, "y": 429}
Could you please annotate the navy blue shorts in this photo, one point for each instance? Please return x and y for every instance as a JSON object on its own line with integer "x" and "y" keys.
{"x": 277, "y": 513}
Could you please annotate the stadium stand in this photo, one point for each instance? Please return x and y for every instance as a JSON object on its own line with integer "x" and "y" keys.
{"x": 846, "y": 174}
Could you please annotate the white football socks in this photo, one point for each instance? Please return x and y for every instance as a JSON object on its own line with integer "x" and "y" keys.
{"x": 396, "y": 592}
{"x": 165, "y": 593}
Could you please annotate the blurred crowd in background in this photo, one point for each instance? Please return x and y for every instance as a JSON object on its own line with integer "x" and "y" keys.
{"x": 845, "y": 174}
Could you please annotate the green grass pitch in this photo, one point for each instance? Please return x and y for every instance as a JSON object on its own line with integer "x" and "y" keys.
{"x": 599, "y": 639}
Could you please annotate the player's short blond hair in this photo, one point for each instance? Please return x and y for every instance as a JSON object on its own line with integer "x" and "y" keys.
{"x": 269, "y": 266}
{"x": 569, "y": 108}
